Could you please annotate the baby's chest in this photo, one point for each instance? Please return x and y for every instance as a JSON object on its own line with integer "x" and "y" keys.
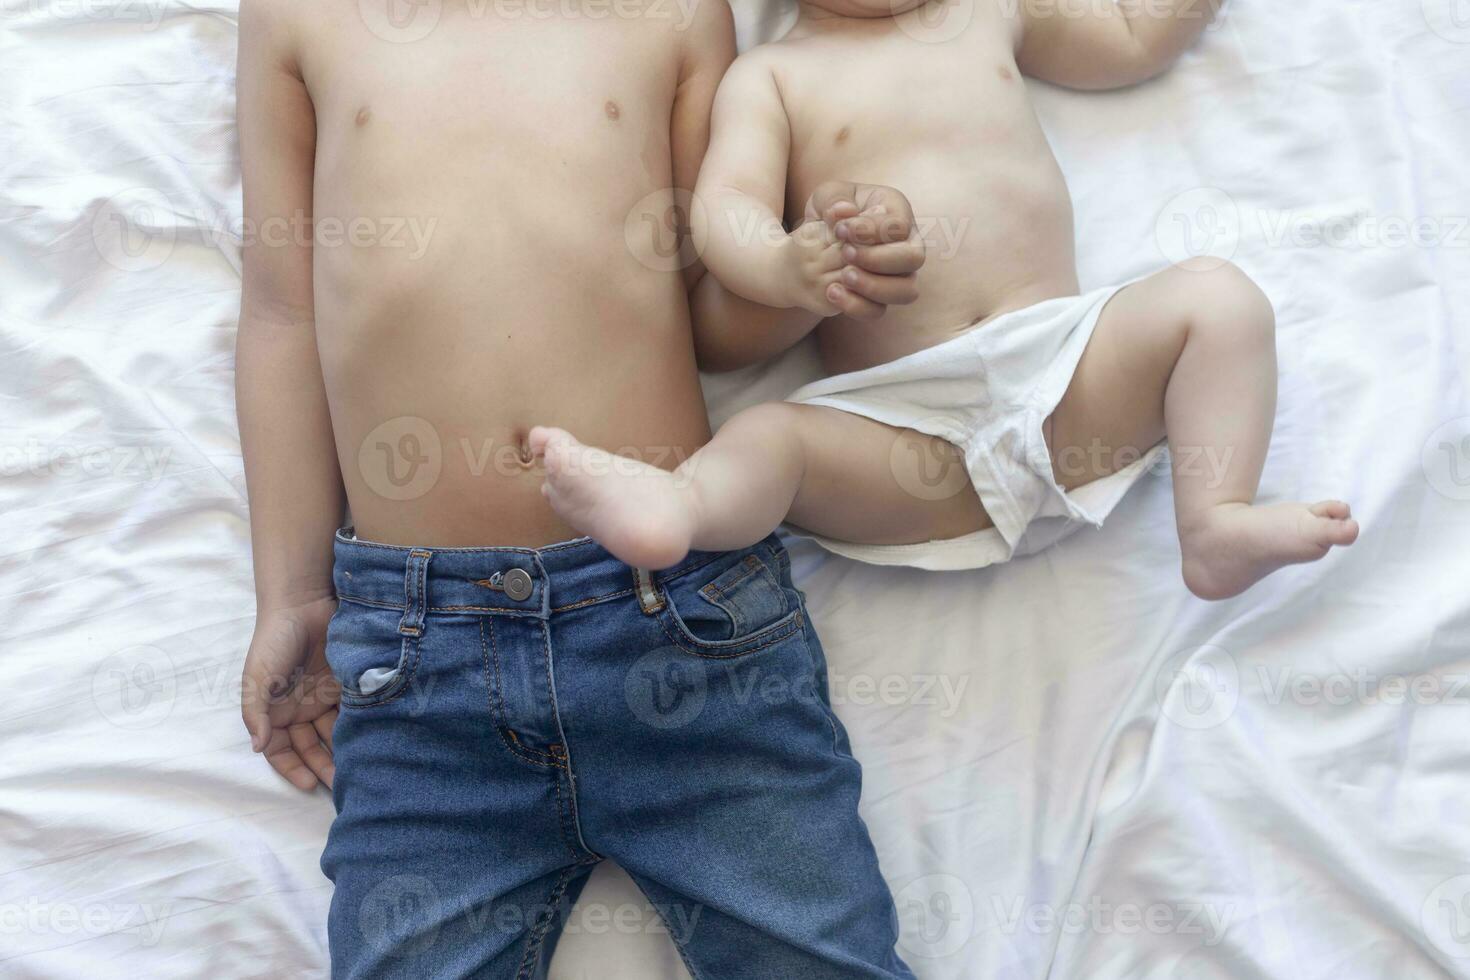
{"x": 897, "y": 97}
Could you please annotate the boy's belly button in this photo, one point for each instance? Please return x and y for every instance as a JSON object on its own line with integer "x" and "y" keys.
{"x": 523, "y": 449}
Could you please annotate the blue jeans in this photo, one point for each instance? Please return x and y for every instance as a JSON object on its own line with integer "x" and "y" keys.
{"x": 511, "y": 716}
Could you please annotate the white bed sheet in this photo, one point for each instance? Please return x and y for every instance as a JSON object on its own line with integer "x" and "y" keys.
{"x": 1073, "y": 769}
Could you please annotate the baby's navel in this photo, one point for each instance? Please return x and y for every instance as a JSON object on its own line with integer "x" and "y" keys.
{"x": 842, "y": 135}
{"x": 611, "y": 110}
{"x": 363, "y": 115}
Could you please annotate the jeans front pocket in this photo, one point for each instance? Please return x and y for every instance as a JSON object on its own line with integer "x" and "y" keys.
{"x": 372, "y": 661}
{"x": 735, "y": 606}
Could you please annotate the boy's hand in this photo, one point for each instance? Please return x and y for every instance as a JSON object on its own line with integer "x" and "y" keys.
{"x": 881, "y": 251}
{"x": 289, "y": 696}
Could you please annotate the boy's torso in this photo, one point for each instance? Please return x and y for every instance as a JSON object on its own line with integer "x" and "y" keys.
{"x": 932, "y": 103}
{"x": 475, "y": 268}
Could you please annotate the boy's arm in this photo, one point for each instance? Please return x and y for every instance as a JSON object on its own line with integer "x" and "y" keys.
{"x": 1107, "y": 45}
{"x": 295, "y": 487}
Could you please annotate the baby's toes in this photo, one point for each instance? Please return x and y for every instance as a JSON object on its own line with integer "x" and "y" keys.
{"x": 1336, "y": 510}
{"x": 1329, "y": 532}
{"x": 537, "y": 439}
{"x": 561, "y": 453}
{"x": 1343, "y": 533}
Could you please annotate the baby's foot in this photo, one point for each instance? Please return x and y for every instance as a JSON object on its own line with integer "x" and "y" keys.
{"x": 636, "y": 511}
{"x": 1234, "y": 546}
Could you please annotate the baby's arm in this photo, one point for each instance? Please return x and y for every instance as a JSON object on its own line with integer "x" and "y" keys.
{"x": 1107, "y": 45}
{"x": 296, "y": 495}
{"x": 718, "y": 314}
{"x": 855, "y": 253}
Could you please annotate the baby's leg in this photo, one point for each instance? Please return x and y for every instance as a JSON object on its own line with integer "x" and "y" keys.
{"x": 1192, "y": 353}
{"x": 838, "y": 475}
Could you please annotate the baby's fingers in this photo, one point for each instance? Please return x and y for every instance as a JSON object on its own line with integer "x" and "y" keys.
{"x": 894, "y": 259}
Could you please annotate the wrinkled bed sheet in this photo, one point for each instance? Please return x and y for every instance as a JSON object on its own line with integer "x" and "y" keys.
{"x": 1073, "y": 769}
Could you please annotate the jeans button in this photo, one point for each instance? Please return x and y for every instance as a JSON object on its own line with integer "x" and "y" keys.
{"x": 518, "y": 584}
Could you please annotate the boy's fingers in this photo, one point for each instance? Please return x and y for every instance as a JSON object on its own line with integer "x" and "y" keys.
{"x": 850, "y": 304}
{"x": 284, "y": 760}
{"x": 894, "y": 259}
{"x": 833, "y": 200}
{"x": 881, "y": 199}
{"x": 255, "y": 710}
{"x": 885, "y": 290}
{"x": 324, "y": 726}
{"x": 870, "y": 228}
{"x": 309, "y": 747}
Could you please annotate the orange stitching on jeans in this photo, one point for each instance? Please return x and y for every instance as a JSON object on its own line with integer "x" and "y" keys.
{"x": 497, "y": 707}
{"x": 409, "y": 668}
{"x": 669, "y": 926}
{"x": 587, "y": 602}
{"x": 504, "y": 609}
{"x": 781, "y": 633}
{"x": 752, "y": 565}
{"x": 540, "y": 929}
{"x": 569, "y": 834}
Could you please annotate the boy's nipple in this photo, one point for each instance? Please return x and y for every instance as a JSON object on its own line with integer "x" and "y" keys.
{"x": 363, "y": 115}
{"x": 611, "y": 110}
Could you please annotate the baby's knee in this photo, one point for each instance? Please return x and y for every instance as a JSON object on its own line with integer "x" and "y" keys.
{"x": 1227, "y": 301}
{"x": 767, "y": 418}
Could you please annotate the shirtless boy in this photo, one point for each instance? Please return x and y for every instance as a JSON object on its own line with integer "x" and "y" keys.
{"x": 1047, "y": 403}
{"x": 513, "y": 709}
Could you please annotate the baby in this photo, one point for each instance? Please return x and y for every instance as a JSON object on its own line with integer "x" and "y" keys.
{"x": 1046, "y": 403}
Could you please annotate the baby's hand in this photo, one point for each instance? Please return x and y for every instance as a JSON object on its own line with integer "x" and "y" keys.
{"x": 881, "y": 251}
{"x": 814, "y": 268}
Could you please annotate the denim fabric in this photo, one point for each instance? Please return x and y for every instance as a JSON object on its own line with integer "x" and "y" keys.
{"x": 491, "y": 750}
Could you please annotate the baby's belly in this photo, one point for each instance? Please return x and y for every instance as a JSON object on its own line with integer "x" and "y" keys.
{"x": 958, "y": 291}
{"x": 435, "y": 379}
{"x": 998, "y": 236}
